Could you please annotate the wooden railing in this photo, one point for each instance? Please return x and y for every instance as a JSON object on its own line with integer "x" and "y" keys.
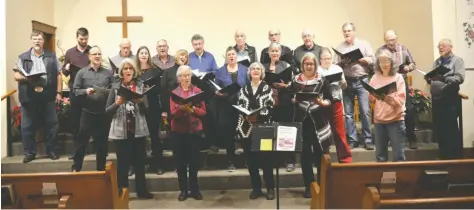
{"x": 9, "y": 121}
{"x": 6, "y": 95}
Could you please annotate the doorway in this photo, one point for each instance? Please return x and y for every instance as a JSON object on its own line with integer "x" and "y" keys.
{"x": 49, "y": 33}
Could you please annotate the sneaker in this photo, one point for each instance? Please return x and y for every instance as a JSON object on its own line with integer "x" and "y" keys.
{"x": 290, "y": 167}
{"x": 412, "y": 145}
{"x": 369, "y": 146}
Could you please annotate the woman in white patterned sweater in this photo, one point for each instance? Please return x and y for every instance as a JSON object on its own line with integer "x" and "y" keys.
{"x": 253, "y": 96}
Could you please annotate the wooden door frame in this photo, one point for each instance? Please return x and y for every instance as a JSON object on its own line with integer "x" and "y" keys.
{"x": 48, "y": 29}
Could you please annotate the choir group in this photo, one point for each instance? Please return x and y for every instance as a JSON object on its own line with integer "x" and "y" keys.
{"x": 137, "y": 95}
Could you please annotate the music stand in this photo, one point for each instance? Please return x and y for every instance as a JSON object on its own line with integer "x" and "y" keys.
{"x": 264, "y": 139}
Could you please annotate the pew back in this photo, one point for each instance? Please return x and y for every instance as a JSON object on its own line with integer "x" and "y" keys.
{"x": 344, "y": 185}
{"x": 77, "y": 190}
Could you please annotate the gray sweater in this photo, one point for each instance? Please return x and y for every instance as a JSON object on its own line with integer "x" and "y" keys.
{"x": 448, "y": 87}
{"x": 118, "y": 113}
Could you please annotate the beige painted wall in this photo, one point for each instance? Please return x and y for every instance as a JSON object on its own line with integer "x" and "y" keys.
{"x": 3, "y": 81}
{"x": 18, "y": 31}
{"x": 216, "y": 20}
{"x": 414, "y": 29}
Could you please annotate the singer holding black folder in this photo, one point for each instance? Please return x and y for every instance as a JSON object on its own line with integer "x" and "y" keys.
{"x": 129, "y": 128}
{"x": 336, "y": 116}
{"x": 283, "y": 109}
{"x": 312, "y": 113}
{"x": 186, "y": 127}
{"x": 146, "y": 70}
{"x": 389, "y": 110}
{"x": 446, "y": 101}
{"x": 229, "y": 74}
{"x": 254, "y": 96}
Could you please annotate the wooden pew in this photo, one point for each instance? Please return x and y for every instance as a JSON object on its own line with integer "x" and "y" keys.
{"x": 344, "y": 185}
{"x": 373, "y": 200}
{"x": 75, "y": 190}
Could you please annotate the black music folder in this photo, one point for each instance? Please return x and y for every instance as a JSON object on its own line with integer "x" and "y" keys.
{"x": 336, "y": 77}
{"x": 151, "y": 76}
{"x": 245, "y": 62}
{"x": 230, "y": 89}
{"x": 194, "y": 99}
{"x": 129, "y": 94}
{"x": 353, "y": 55}
{"x": 439, "y": 71}
{"x": 307, "y": 96}
{"x": 246, "y": 112}
{"x": 31, "y": 75}
{"x": 113, "y": 66}
{"x": 284, "y": 76}
{"x": 265, "y": 136}
{"x": 384, "y": 90}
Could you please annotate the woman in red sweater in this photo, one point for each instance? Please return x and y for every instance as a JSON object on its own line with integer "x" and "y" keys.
{"x": 186, "y": 125}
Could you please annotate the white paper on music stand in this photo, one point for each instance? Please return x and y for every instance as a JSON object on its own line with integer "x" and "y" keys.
{"x": 286, "y": 138}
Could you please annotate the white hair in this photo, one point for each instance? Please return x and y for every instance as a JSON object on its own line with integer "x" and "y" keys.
{"x": 184, "y": 69}
{"x": 257, "y": 65}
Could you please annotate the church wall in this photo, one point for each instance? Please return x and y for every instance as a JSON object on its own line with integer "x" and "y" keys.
{"x": 217, "y": 20}
{"x": 19, "y": 14}
{"x": 413, "y": 25}
{"x": 3, "y": 81}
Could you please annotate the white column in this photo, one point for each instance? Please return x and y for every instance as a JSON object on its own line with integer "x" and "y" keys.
{"x": 3, "y": 76}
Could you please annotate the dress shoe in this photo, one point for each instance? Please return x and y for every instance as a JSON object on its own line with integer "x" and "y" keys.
{"x": 131, "y": 171}
{"x": 28, "y": 158}
{"x": 53, "y": 156}
{"x": 145, "y": 195}
{"x": 160, "y": 171}
{"x": 270, "y": 194}
{"x": 183, "y": 195}
{"x": 196, "y": 195}
{"x": 255, "y": 194}
{"x": 307, "y": 193}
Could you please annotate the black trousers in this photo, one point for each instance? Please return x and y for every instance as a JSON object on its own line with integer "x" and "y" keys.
{"x": 131, "y": 152}
{"x": 256, "y": 160}
{"x": 312, "y": 152}
{"x": 284, "y": 113}
{"x": 410, "y": 113}
{"x": 445, "y": 127}
{"x": 97, "y": 126}
{"x": 76, "y": 111}
{"x": 209, "y": 123}
{"x": 153, "y": 119}
{"x": 186, "y": 154}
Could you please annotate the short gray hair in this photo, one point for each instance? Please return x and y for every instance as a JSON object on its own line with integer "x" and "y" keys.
{"x": 274, "y": 44}
{"x": 183, "y": 69}
{"x": 393, "y": 66}
{"x": 131, "y": 63}
{"x": 349, "y": 24}
{"x": 197, "y": 37}
{"x": 256, "y": 65}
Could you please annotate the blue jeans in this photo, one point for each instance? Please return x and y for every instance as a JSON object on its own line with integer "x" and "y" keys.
{"x": 33, "y": 116}
{"x": 354, "y": 88}
{"x": 395, "y": 132}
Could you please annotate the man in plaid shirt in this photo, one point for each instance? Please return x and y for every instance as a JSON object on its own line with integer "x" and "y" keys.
{"x": 402, "y": 58}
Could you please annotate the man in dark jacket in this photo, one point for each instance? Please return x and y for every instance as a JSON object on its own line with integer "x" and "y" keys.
{"x": 39, "y": 78}
{"x": 244, "y": 51}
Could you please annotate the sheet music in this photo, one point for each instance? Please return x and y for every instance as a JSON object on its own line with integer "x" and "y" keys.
{"x": 421, "y": 72}
{"x": 245, "y": 111}
{"x": 198, "y": 74}
{"x": 286, "y": 138}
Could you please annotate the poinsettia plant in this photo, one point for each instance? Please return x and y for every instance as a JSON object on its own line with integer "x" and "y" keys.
{"x": 420, "y": 100}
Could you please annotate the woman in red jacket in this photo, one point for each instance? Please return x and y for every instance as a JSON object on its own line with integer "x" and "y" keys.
{"x": 186, "y": 125}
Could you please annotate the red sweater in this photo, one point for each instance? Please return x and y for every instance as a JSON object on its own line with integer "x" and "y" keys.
{"x": 183, "y": 121}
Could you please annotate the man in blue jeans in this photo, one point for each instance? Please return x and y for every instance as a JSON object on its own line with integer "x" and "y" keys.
{"x": 355, "y": 72}
{"x": 38, "y": 96}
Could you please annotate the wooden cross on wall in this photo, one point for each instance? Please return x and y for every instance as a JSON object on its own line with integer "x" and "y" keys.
{"x": 124, "y": 19}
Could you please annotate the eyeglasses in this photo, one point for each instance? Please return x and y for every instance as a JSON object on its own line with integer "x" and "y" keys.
{"x": 275, "y": 34}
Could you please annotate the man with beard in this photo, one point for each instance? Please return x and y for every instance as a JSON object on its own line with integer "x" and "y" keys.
{"x": 75, "y": 59}
{"x": 162, "y": 59}
{"x": 446, "y": 101}
{"x": 125, "y": 52}
{"x": 90, "y": 85}
{"x": 38, "y": 96}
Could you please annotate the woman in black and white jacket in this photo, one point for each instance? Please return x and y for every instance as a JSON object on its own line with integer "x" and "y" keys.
{"x": 253, "y": 96}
